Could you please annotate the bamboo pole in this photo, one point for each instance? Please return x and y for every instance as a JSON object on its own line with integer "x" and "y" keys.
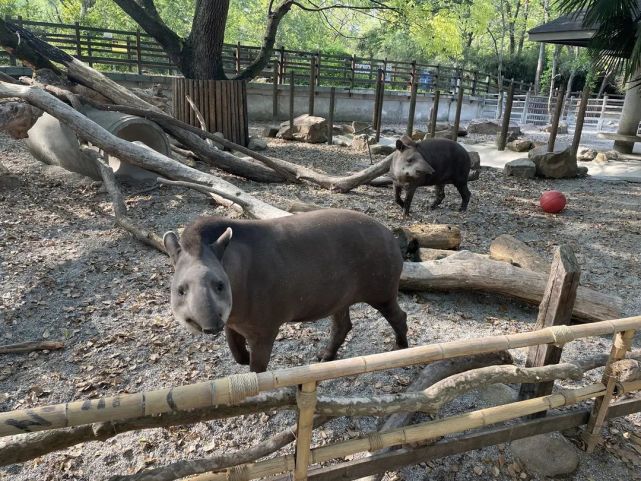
{"x": 306, "y": 401}
{"x": 426, "y": 431}
{"x": 233, "y": 389}
{"x": 621, "y": 345}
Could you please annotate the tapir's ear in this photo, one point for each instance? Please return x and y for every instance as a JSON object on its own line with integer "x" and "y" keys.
{"x": 400, "y": 146}
{"x": 172, "y": 245}
{"x": 221, "y": 243}
{"x": 407, "y": 141}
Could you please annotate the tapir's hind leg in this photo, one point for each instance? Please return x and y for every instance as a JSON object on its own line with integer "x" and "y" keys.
{"x": 439, "y": 190}
{"x": 236, "y": 343}
{"x": 261, "y": 350}
{"x": 397, "y": 318}
{"x": 341, "y": 325}
{"x": 465, "y": 195}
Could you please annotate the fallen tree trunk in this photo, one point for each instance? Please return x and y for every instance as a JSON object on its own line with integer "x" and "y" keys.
{"x": 509, "y": 249}
{"x": 31, "y": 346}
{"x": 132, "y": 153}
{"x": 433, "y": 236}
{"x": 468, "y": 271}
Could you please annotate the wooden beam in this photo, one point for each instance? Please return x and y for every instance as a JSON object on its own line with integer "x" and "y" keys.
{"x": 306, "y": 401}
{"x": 555, "y": 309}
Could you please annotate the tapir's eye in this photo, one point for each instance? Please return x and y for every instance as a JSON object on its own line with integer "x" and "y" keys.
{"x": 181, "y": 290}
{"x": 220, "y": 286}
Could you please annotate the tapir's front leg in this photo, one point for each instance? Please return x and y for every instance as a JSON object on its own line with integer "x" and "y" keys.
{"x": 260, "y": 348}
{"x": 397, "y": 194}
{"x": 236, "y": 343}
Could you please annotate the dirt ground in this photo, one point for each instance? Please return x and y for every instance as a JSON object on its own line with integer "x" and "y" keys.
{"x": 66, "y": 273}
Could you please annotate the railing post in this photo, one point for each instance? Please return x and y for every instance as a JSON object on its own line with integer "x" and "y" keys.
{"x": 580, "y": 118}
{"x": 555, "y": 309}
{"x": 412, "y": 112}
{"x": 437, "y": 77}
{"x": 526, "y": 105}
{"x": 330, "y": 116}
{"x": 129, "y": 54}
{"x": 507, "y": 113}
{"x": 318, "y": 68}
{"x": 306, "y": 401}
{"x": 237, "y": 57}
{"x": 312, "y": 82}
{"x": 433, "y": 118}
{"x": 281, "y": 63}
{"x": 275, "y": 91}
{"x": 353, "y": 71}
{"x": 457, "y": 116}
{"x": 89, "y": 50}
{"x": 291, "y": 100}
{"x": 78, "y": 46}
{"x": 413, "y": 79}
{"x": 621, "y": 344}
{"x": 555, "y": 122}
{"x": 381, "y": 98}
{"x": 138, "y": 52}
{"x": 474, "y": 80}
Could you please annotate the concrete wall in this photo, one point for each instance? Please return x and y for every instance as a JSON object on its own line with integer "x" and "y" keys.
{"x": 349, "y": 105}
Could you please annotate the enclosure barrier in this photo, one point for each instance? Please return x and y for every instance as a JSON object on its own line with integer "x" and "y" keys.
{"x": 233, "y": 389}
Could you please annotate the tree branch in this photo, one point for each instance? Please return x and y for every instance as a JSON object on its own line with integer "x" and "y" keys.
{"x": 12, "y": 39}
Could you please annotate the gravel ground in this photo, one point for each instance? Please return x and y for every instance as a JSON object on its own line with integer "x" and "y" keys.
{"x": 68, "y": 274}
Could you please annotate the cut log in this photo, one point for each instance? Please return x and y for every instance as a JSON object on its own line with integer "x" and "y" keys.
{"x": 427, "y": 254}
{"x": 467, "y": 271}
{"x": 296, "y": 206}
{"x": 434, "y": 236}
{"x": 509, "y": 249}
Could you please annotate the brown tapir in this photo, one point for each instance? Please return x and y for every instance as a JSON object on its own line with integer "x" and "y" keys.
{"x": 250, "y": 276}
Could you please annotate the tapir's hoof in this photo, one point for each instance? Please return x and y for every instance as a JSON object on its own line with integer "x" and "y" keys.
{"x": 402, "y": 345}
{"x": 325, "y": 356}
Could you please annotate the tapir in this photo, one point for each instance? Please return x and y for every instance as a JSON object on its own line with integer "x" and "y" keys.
{"x": 430, "y": 162}
{"x": 248, "y": 277}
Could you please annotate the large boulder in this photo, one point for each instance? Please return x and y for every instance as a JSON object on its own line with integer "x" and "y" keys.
{"x": 555, "y": 165}
{"x": 523, "y": 168}
{"x": 257, "y": 143}
{"x": 490, "y": 127}
{"x": 561, "y": 129}
{"x": 270, "y": 131}
{"x": 475, "y": 160}
{"x": 585, "y": 154}
{"x": 547, "y": 455}
{"x": 520, "y": 145}
{"x": 382, "y": 149}
{"x": 307, "y": 128}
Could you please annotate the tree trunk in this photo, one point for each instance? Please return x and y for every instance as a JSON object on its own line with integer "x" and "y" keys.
{"x": 555, "y": 62}
{"x": 468, "y": 271}
{"x": 631, "y": 115}
{"x": 539, "y": 64}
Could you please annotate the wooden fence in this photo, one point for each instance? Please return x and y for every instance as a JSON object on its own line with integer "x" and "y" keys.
{"x": 138, "y": 52}
{"x": 233, "y": 390}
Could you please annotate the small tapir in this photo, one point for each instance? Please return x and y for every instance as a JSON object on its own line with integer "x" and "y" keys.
{"x": 430, "y": 162}
{"x": 250, "y": 276}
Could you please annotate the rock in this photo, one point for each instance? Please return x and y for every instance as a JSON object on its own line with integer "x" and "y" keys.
{"x": 612, "y": 155}
{"x": 490, "y": 127}
{"x": 562, "y": 129}
{"x": 307, "y": 128}
{"x": 497, "y": 394}
{"x": 418, "y": 135}
{"x": 548, "y": 455}
{"x": 585, "y": 154}
{"x": 581, "y": 171}
{"x": 520, "y": 145}
{"x": 256, "y": 143}
{"x": 462, "y": 132}
{"x": 360, "y": 142}
{"x": 359, "y": 127}
{"x": 270, "y": 131}
{"x": 382, "y": 149}
{"x": 443, "y": 126}
{"x": 476, "y": 160}
{"x": 523, "y": 168}
{"x": 345, "y": 129}
{"x": 442, "y": 134}
{"x": 555, "y": 165}
{"x": 601, "y": 158}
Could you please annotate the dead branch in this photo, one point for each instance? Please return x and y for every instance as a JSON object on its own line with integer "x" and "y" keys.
{"x": 467, "y": 271}
{"x": 219, "y": 196}
{"x": 31, "y": 346}
{"x": 130, "y": 152}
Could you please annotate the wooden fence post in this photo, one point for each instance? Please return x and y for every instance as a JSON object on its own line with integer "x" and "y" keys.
{"x": 507, "y": 113}
{"x": 237, "y": 57}
{"x": 434, "y": 116}
{"x": 291, "y": 100}
{"x": 330, "y": 116}
{"x": 317, "y": 71}
{"x": 306, "y": 401}
{"x": 474, "y": 80}
{"x": 312, "y": 86}
{"x": 89, "y": 50}
{"x": 281, "y": 63}
{"x": 580, "y": 117}
{"x": 381, "y": 99}
{"x": 78, "y": 46}
{"x": 377, "y": 93}
{"x": 353, "y": 71}
{"x": 12, "y": 59}
{"x": 457, "y": 116}
{"x": 555, "y": 309}
{"x": 275, "y": 91}
{"x": 412, "y": 112}
{"x": 138, "y": 52}
{"x": 555, "y": 122}
{"x": 621, "y": 344}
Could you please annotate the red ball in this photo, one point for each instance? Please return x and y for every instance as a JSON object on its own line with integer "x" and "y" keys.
{"x": 552, "y": 201}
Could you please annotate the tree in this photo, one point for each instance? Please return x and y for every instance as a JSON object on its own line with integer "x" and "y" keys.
{"x": 199, "y": 55}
